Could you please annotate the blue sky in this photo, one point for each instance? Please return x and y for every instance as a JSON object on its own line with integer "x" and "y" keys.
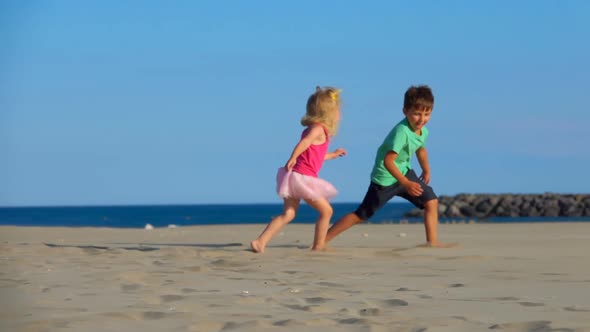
{"x": 198, "y": 102}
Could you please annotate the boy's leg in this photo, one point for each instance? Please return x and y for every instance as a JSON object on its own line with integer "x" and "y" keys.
{"x": 429, "y": 202}
{"x": 375, "y": 198}
{"x": 431, "y": 221}
{"x": 343, "y": 224}
{"x": 321, "y": 226}
{"x": 289, "y": 210}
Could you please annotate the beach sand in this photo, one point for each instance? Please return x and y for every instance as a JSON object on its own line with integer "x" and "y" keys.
{"x": 501, "y": 277}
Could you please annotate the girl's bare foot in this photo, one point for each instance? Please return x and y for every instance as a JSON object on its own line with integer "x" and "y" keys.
{"x": 257, "y": 247}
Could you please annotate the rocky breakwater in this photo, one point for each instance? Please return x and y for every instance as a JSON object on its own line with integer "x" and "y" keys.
{"x": 483, "y": 206}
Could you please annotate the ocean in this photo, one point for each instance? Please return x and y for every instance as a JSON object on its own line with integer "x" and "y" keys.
{"x": 215, "y": 214}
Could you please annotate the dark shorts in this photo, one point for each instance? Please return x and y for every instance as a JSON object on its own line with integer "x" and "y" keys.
{"x": 377, "y": 196}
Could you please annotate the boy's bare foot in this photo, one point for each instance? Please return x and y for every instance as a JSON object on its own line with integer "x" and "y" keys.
{"x": 257, "y": 247}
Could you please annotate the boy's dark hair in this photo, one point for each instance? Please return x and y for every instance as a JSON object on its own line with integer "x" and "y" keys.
{"x": 418, "y": 98}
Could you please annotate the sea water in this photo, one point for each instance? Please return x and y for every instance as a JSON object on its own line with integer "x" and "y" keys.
{"x": 213, "y": 214}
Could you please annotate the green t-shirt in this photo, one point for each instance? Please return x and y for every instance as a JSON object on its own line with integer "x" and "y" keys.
{"x": 402, "y": 140}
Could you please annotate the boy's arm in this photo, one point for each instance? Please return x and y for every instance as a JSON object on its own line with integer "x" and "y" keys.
{"x": 422, "y": 156}
{"x": 303, "y": 144}
{"x": 413, "y": 188}
{"x": 340, "y": 152}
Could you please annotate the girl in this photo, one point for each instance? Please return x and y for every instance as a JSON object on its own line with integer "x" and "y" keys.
{"x": 298, "y": 179}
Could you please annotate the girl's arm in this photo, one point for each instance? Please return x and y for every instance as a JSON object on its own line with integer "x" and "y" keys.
{"x": 422, "y": 156}
{"x": 340, "y": 152}
{"x": 312, "y": 135}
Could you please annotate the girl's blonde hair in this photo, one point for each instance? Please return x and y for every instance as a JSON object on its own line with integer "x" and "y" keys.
{"x": 322, "y": 108}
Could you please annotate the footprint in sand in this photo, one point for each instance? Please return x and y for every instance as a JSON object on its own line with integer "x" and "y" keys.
{"x": 319, "y": 309}
{"x": 288, "y": 323}
{"x": 370, "y": 312}
{"x": 252, "y": 325}
{"x": 188, "y": 290}
{"x": 171, "y": 297}
{"x": 297, "y": 307}
{"x": 531, "y": 304}
{"x": 456, "y": 285}
{"x": 153, "y": 315}
{"x": 119, "y": 315}
{"x": 395, "y": 303}
{"x": 251, "y": 300}
{"x": 425, "y": 297}
{"x": 228, "y": 263}
{"x": 317, "y": 300}
{"x": 465, "y": 258}
{"x": 576, "y": 309}
{"x": 329, "y": 284}
{"x": 404, "y": 289}
{"x": 355, "y": 321}
{"x": 93, "y": 251}
{"x": 195, "y": 268}
{"x": 130, "y": 287}
{"x": 206, "y": 326}
{"x": 540, "y": 325}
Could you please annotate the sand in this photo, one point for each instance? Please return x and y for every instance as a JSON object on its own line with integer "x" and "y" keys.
{"x": 501, "y": 277}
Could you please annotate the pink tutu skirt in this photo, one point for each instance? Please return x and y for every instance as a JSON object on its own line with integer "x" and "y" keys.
{"x": 295, "y": 185}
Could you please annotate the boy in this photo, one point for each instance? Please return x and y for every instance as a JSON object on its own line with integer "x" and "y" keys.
{"x": 392, "y": 174}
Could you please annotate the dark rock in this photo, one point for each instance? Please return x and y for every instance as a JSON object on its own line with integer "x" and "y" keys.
{"x": 468, "y": 210}
{"x": 573, "y": 210}
{"x": 533, "y": 212}
{"x": 514, "y": 212}
{"x": 525, "y": 210}
{"x": 500, "y": 211}
{"x": 538, "y": 202}
{"x": 494, "y": 200}
{"x": 484, "y": 206}
{"x": 454, "y": 211}
{"x": 511, "y": 205}
{"x": 516, "y": 201}
{"x": 442, "y": 208}
{"x": 414, "y": 213}
{"x": 551, "y": 211}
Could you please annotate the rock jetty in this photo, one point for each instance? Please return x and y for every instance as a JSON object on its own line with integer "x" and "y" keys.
{"x": 483, "y": 206}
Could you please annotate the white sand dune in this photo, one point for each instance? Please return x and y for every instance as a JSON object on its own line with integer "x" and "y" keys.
{"x": 501, "y": 277}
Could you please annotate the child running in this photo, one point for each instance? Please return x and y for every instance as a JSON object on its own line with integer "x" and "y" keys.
{"x": 298, "y": 179}
{"x": 392, "y": 174}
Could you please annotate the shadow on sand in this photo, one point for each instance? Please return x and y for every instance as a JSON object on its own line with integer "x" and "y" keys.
{"x": 146, "y": 246}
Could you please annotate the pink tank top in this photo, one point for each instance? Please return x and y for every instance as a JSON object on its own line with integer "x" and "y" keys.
{"x": 311, "y": 160}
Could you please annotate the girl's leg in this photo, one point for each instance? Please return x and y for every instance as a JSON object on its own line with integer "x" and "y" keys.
{"x": 289, "y": 210}
{"x": 323, "y": 222}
